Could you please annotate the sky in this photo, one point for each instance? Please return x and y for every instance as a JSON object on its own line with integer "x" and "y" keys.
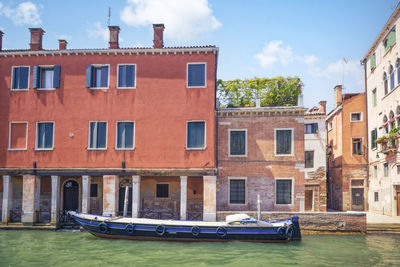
{"x": 320, "y": 41}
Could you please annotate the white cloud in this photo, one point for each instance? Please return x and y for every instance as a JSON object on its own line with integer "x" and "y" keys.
{"x": 339, "y": 70}
{"x": 275, "y": 53}
{"x": 97, "y": 31}
{"x": 64, "y": 37}
{"x": 184, "y": 20}
{"x": 24, "y": 13}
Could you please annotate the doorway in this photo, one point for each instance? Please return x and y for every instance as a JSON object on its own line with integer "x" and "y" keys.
{"x": 71, "y": 196}
{"x": 308, "y": 202}
{"x": 357, "y": 199}
{"x": 121, "y": 201}
{"x": 398, "y": 203}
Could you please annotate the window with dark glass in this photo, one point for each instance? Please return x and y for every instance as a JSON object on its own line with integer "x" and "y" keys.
{"x": 44, "y": 135}
{"x": 195, "y": 135}
{"x": 385, "y": 83}
{"x": 20, "y": 78}
{"x": 283, "y": 191}
{"x": 309, "y": 157}
{"x": 237, "y": 144}
{"x": 196, "y": 76}
{"x": 97, "y": 135}
{"x": 93, "y": 190}
{"x": 374, "y": 97}
{"x": 376, "y": 196}
{"x": 356, "y": 143}
{"x": 126, "y": 76}
{"x": 391, "y": 73}
{"x": 125, "y": 135}
{"x": 398, "y": 70}
{"x": 310, "y": 128}
{"x": 96, "y": 76}
{"x": 373, "y": 138}
{"x": 283, "y": 142}
{"x": 46, "y": 77}
{"x": 386, "y": 169}
{"x": 237, "y": 191}
{"x": 162, "y": 190}
{"x": 356, "y": 116}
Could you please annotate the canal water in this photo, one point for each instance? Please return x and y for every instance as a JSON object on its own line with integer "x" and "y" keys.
{"x": 48, "y": 248}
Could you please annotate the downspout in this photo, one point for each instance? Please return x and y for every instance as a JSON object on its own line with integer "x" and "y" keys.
{"x": 366, "y": 200}
{"x": 216, "y": 114}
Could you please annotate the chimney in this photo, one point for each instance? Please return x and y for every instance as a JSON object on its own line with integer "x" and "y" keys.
{"x": 62, "y": 44}
{"x": 114, "y": 32}
{"x": 36, "y": 38}
{"x": 1, "y": 40}
{"x": 158, "y": 35}
{"x": 338, "y": 95}
{"x": 322, "y": 106}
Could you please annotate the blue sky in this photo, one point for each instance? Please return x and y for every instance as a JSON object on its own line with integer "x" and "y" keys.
{"x": 263, "y": 38}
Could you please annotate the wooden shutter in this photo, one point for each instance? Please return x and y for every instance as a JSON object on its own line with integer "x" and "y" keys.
{"x": 89, "y": 76}
{"x": 56, "y": 77}
{"x": 36, "y": 77}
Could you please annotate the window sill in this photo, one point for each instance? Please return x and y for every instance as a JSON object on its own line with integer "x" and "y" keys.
{"x": 391, "y": 91}
{"x": 17, "y": 149}
{"x": 44, "y": 149}
{"x": 237, "y": 204}
{"x": 284, "y": 205}
{"x": 124, "y": 149}
{"x": 126, "y": 88}
{"x": 200, "y": 86}
{"x": 99, "y": 88}
{"x": 238, "y": 156}
{"x": 17, "y": 90}
{"x": 284, "y": 155}
{"x": 45, "y": 89}
{"x": 390, "y": 49}
{"x": 357, "y": 121}
{"x": 200, "y": 148}
{"x": 96, "y": 149}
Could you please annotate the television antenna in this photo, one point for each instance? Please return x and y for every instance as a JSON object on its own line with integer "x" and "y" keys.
{"x": 109, "y": 15}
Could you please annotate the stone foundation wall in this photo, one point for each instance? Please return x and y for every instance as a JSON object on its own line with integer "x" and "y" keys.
{"x": 346, "y": 222}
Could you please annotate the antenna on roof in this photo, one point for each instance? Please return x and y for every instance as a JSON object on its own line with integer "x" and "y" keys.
{"x": 109, "y": 15}
{"x": 345, "y": 61}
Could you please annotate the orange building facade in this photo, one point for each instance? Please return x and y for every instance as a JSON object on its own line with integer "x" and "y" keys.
{"x": 80, "y": 127}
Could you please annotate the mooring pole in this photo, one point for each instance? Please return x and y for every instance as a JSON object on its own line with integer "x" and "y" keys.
{"x": 258, "y": 207}
{"x": 126, "y": 201}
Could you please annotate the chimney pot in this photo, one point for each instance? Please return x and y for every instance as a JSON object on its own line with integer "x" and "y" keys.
{"x": 158, "y": 41}
{"x": 338, "y": 95}
{"x": 322, "y": 106}
{"x": 62, "y": 44}
{"x": 36, "y": 38}
{"x": 1, "y": 40}
{"x": 114, "y": 37}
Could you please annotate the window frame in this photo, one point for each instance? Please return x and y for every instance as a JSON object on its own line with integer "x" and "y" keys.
{"x": 116, "y": 136}
{"x": 305, "y": 165}
{"x": 361, "y": 116}
{"x": 187, "y": 74}
{"x": 229, "y": 142}
{"x": 169, "y": 191}
{"x": 9, "y": 136}
{"x": 386, "y": 170}
{"x": 311, "y": 125}
{"x": 292, "y": 191}
{"x": 361, "y": 145}
{"x": 275, "y": 143}
{"x": 128, "y": 87}
{"x": 36, "y": 136}
{"x": 245, "y": 191}
{"x": 12, "y": 78}
{"x": 376, "y": 196}
{"x": 373, "y": 141}
{"x": 374, "y": 98}
{"x": 88, "y": 147}
{"x": 108, "y": 77}
{"x": 205, "y": 135}
{"x": 46, "y": 67}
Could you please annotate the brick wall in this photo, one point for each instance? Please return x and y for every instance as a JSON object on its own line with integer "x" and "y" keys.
{"x": 316, "y": 181}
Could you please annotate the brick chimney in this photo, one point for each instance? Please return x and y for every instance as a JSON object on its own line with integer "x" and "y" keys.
{"x": 322, "y": 106}
{"x": 338, "y": 95}
{"x": 158, "y": 41}
{"x": 36, "y": 38}
{"x": 62, "y": 44}
{"x": 1, "y": 40}
{"x": 114, "y": 33}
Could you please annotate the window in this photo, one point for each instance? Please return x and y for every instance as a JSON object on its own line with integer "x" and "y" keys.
{"x": 376, "y": 196}
{"x": 374, "y": 97}
{"x": 97, "y": 76}
{"x": 283, "y": 191}
{"x": 195, "y": 135}
{"x": 330, "y": 125}
{"x": 237, "y": 142}
{"x": 46, "y": 77}
{"x": 125, "y": 135}
{"x": 390, "y": 40}
{"x": 398, "y": 169}
{"x": 162, "y": 191}
{"x": 356, "y": 142}
{"x": 398, "y": 70}
{"x": 375, "y": 171}
{"x": 391, "y": 73}
{"x": 93, "y": 190}
{"x": 309, "y": 157}
{"x": 18, "y": 132}
{"x": 386, "y": 169}
{"x": 196, "y": 75}
{"x": 310, "y": 128}
{"x": 44, "y": 135}
{"x": 98, "y": 135}
{"x": 372, "y": 61}
{"x": 283, "y": 141}
{"x": 20, "y": 78}
{"x": 373, "y": 138}
{"x": 357, "y": 116}
{"x": 126, "y": 76}
{"x": 237, "y": 191}
{"x": 385, "y": 83}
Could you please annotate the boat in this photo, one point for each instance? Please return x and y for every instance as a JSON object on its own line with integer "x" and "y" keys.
{"x": 240, "y": 227}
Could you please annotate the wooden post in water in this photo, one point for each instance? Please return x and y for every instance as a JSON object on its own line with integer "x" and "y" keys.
{"x": 126, "y": 201}
{"x": 258, "y": 207}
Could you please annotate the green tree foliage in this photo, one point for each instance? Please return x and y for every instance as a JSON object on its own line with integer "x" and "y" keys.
{"x": 277, "y": 91}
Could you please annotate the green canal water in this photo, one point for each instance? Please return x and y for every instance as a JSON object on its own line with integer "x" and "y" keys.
{"x": 47, "y": 248}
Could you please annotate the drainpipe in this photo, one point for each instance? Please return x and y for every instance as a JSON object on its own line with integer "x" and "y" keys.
{"x": 366, "y": 187}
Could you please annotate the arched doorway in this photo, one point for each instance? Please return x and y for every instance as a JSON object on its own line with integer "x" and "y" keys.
{"x": 71, "y": 195}
{"x": 122, "y": 186}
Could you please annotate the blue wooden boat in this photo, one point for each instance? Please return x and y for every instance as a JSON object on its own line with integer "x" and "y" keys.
{"x": 239, "y": 227}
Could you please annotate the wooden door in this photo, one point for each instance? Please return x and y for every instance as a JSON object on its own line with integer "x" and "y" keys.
{"x": 398, "y": 203}
{"x": 357, "y": 199}
{"x": 71, "y": 196}
{"x": 308, "y": 202}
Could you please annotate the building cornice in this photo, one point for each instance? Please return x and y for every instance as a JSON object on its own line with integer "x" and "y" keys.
{"x": 334, "y": 111}
{"x": 261, "y": 112}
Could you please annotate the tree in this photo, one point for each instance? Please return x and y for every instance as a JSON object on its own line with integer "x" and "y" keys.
{"x": 277, "y": 91}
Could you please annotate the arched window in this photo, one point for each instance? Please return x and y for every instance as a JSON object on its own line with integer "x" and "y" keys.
{"x": 385, "y": 83}
{"x": 391, "y": 73}
{"x": 398, "y": 70}
{"x": 398, "y": 115}
{"x": 391, "y": 120}
{"x": 385, "y": 125}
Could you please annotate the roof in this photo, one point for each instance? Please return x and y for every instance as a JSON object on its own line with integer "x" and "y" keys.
{"x": 314, "y": 111}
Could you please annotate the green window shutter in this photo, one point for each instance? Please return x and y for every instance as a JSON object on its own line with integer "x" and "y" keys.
{"x": 373, "y": 138}
{"x": 390, "y": 40}
{"x": 372, "y": 61}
